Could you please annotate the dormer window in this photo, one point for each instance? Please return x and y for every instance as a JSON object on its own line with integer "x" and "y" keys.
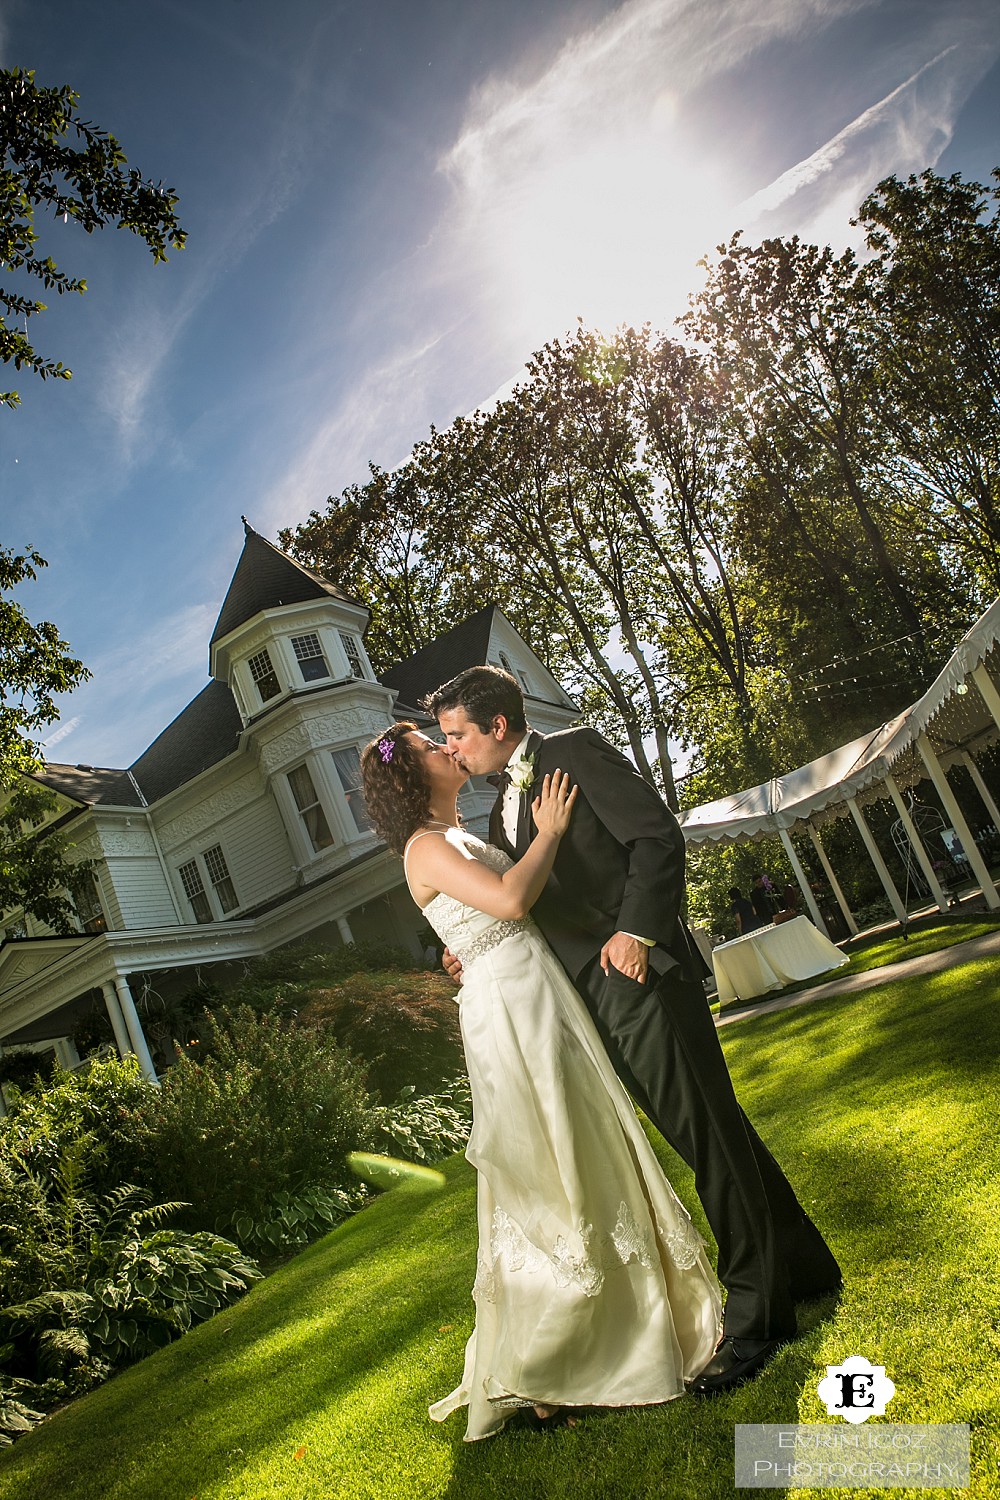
{"x": 353, "y": 654}
{"x": 263, "y": 673}
{"x": 309, "y": 655}
{"x": 515, "y": 672}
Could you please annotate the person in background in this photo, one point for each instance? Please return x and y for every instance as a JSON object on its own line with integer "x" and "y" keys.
{"x": 746, "y": 918}
{"x": 762, "y": 900}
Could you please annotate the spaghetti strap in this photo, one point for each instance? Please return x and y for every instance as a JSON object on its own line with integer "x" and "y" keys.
{"x": 413, "y": 839}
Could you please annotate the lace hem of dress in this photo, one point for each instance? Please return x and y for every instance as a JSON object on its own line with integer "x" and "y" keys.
{"x": 584, "y": 1262}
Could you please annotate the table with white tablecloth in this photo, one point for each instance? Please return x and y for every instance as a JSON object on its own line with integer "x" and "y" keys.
{"x": 772, "y": 957}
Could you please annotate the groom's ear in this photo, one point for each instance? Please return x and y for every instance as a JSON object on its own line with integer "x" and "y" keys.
{"x": 499, "y": 726}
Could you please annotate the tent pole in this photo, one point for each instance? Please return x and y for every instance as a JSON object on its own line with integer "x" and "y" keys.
{"x": 982, "y": 788}
{"x": 988, "y": 691}
{"x": 800, "y": 876}
{"x": 895, "y": 900}
{"x": 937, "y": 774}
{"x": 821, "y": 855}
{"x": 917, "y": 844}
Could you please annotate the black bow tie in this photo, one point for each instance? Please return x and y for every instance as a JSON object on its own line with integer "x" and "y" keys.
{"x": 501, "y": 780}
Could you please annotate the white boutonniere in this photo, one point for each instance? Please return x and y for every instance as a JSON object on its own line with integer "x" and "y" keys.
{"x": 522, "y": 773}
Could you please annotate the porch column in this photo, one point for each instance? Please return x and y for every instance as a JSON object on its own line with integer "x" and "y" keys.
{"x": 895, "y": 900}
{"x": 982, "y": 788}
{"x": 3, "y": 1102}
{"x": 116, "y": 1018}
{"x": 821, "y": 855}
{"x": 344, "y": 928}
{"x": 135, "y": 1029}
{"x": 951, "y": 807}
{"x": 66, "y": 1054}
{"x": 800, "y": 876}
{"x": 988, "y": 691}
{"x": 917, "y": 844}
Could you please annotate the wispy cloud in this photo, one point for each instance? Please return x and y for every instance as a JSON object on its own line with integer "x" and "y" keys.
{"x": 379, "y": 417}
{"x": 902, "y": 133}
{"x": 137, "y": 688}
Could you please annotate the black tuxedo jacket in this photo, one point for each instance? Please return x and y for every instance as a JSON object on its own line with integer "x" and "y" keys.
{"x": 620, "y": 865}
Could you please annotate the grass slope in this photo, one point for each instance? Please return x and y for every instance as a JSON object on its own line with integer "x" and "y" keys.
{"x": 882, "y": 1109}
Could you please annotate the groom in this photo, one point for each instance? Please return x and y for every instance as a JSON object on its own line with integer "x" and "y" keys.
{"x": 612, "y": 911}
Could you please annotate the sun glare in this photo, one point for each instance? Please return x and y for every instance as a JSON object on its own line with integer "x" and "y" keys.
{"x": 608, "y": 227}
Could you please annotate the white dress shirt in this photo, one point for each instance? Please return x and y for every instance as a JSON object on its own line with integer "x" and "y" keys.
{"x": 511, "y": 804}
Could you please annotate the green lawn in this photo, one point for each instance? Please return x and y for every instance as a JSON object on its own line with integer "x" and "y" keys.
{"x": 881, "y": 1106}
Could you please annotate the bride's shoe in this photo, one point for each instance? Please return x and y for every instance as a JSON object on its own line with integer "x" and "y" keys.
{"x": 544, "y": 1418}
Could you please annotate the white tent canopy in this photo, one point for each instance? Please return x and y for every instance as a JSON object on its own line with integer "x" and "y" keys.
{"x": 958, "y": 715}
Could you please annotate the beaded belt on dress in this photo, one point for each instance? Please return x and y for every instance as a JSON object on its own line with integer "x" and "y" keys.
{"x": 491, "y": 938}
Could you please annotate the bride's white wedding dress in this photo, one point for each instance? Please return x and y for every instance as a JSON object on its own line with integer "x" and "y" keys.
{"x": 592, "y": 1286}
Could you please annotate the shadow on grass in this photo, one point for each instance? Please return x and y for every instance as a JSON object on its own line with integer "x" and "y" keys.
{"x": 299, "y": 1341}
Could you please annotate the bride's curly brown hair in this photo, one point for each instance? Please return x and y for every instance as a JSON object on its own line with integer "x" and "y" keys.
{"x": 395, "y": 785}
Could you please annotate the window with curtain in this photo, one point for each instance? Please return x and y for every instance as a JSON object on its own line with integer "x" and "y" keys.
{"x": 347, "y": 764}
{"x": 310, "y": 808}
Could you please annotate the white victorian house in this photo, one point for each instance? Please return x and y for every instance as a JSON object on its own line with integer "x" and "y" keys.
{"x": 242, "y": 828}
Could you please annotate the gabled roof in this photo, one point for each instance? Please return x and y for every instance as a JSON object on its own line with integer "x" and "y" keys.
{"x": 265, "y": 578}
{"x": 90, "y": 785}
{"x": 465, "y": 645}
{"x": 203, "y": 733}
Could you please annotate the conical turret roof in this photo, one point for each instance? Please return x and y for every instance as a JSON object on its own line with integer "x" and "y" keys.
{"x": 265, "y": 578}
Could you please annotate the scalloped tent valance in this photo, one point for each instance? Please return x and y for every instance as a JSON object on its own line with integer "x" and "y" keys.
{"x": 957, "y": 714}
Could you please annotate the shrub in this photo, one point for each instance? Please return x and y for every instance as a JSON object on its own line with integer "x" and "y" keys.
{"x": 430, "y": 1127}
{"x": 103, "y": 1103}
{"x": 139, "y": 1291}
{"x": 273, "y": 1107}
{"x": 403, "y": 1025}
{"x": 295, "y": 1219}
{"x": 16, "y": 1417}
{"x": 279, "y": 980}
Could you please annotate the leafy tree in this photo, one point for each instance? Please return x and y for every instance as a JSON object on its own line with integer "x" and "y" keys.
{"x": 35, "y": 666}
{"x": 53, "y": 160}
{"x": 932, "y": 291}
{"x": 84, "y": 182}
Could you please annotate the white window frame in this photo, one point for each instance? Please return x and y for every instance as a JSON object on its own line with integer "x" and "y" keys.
{"x": 354, "y": 653}
{"x": 352, "y": 794}
{"x": 299, "y": 644}
{"x": 193, "y": 890}
{"x": 313, "y": 850}
{"x": 220, "y": 878}
{"x": 255, "y": 656}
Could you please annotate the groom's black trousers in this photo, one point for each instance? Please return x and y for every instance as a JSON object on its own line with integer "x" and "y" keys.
{"x": 663, "y": 1044}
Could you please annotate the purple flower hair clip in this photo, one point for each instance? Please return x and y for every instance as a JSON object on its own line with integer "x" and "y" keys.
{"x": 385, "y": 749}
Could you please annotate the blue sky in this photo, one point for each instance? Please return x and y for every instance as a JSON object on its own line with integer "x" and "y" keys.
{"x": 390, "y": 204}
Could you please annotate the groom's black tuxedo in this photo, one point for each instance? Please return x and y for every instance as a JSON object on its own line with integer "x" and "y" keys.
{"x": 620, "y": 868}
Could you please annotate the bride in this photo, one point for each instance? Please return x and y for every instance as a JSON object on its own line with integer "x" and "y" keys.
{"x": 592, "y": 1286}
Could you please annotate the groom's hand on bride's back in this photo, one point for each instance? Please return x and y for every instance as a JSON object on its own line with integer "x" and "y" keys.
{"x": 452, "y": 966}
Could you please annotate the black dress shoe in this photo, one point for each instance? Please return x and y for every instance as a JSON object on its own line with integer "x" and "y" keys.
{"x": 734, "y": 1361}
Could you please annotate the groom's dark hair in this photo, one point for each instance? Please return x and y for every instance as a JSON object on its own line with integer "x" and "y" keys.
{"x": 483, "y": 692}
